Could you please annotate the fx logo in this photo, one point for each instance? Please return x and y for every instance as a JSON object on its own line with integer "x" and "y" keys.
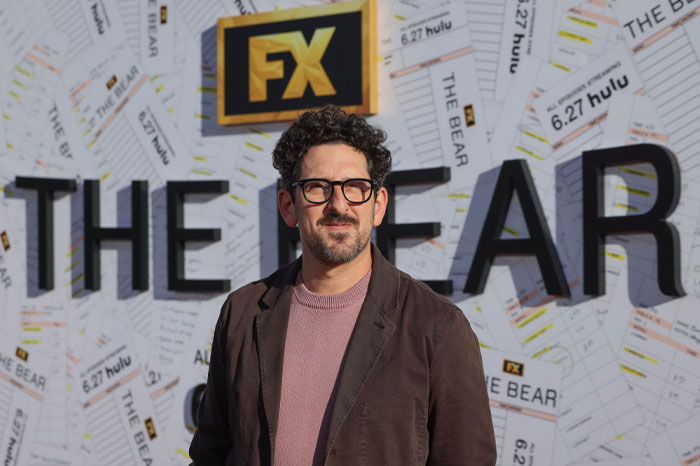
{"x": 273, "y": 66}
{"x": 512, "y": 367}
{"x": 150, "y": 428}
{"x": 22, "y": 354}
{"x": 5, "y": 240}
{"x": 308, "y": 63}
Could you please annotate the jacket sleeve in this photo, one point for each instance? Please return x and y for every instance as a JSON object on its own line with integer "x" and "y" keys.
{"x": 212, "y": 439}
{"x": 459, "y": 418}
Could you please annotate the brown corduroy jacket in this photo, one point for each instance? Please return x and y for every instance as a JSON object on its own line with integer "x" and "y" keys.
{"x": 412, "y": 390}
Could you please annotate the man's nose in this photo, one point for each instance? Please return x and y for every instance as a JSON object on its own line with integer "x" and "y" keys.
{"x": 337, "y": 202}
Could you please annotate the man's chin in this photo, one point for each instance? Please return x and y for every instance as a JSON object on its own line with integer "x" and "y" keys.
{"x": 338, "y": 237}
{"x": 338, "y": 248}
{"x": 338, "y": 256}
{"x": 340, "y": 251}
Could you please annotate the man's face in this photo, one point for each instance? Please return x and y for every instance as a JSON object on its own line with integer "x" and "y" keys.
{"x": 337, "y": 231}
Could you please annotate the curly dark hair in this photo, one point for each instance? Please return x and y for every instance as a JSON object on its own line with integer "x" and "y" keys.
{"x": 330, "y": 124}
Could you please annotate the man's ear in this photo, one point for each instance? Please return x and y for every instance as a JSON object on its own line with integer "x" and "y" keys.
{"x": 380, "y": 206}
{"x": 286, "y": 206}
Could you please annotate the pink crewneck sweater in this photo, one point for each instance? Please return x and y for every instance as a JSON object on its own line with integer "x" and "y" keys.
{"x": 317, "y": 335}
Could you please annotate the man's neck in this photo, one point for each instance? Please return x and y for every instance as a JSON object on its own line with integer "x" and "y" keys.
{"x": 323, "y": 278}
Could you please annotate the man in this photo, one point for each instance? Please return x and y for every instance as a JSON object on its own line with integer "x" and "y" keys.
{"x": 339, "y": 358}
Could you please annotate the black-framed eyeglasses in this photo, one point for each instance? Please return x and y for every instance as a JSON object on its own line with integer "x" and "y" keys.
{"x": 320, "y": 190}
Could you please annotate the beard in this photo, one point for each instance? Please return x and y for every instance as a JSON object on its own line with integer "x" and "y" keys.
{"x": 342, "y": 247}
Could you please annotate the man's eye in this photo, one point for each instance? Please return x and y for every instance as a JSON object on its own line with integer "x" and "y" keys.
{"x": 358, "y": 185}
{"x": 315, "y": 185}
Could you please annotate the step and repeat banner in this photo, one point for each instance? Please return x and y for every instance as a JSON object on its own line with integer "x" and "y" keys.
{"x": 137, "y": 189}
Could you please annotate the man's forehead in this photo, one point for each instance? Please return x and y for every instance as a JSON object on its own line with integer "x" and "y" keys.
{"x": 334, "y": 155}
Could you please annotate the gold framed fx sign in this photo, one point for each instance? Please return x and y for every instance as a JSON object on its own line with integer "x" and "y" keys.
{"x": 273, "y": 66}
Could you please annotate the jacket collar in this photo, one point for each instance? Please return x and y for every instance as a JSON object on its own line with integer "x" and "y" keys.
{"x": 372, "y": 330}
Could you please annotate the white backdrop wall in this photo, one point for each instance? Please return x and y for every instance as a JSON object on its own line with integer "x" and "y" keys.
{"x": 108, "y": 377}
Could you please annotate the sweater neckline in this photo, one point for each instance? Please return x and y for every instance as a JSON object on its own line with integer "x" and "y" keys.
{"x": 344, "y": 299}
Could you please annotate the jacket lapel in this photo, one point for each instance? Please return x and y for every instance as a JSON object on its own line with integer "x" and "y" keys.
{"x": 271, "y": 332}
{"x": 370, "y": 336}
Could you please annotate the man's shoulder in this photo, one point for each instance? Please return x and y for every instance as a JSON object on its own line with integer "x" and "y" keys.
{"x": 413, "y": 298}
{"x": 419, "y": 290}
{"x": 248, "y": 291}
{"x": 426, "y": 303}
{"x": 250, "y": 298}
